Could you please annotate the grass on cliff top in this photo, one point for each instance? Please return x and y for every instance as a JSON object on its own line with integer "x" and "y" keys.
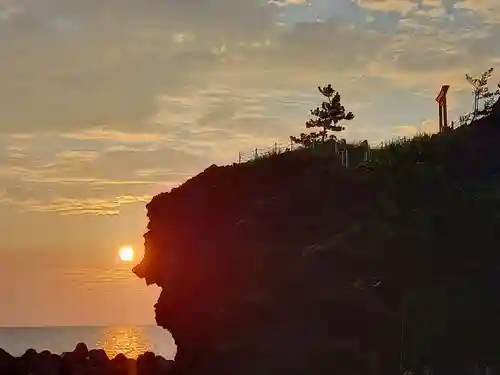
{"x": 397, "y": 151}
{"x": 386, "y": 153}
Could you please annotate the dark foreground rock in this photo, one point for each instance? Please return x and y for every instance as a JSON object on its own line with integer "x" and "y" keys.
{"x": 296, "y": 265}
{"x": 82, "y": 361}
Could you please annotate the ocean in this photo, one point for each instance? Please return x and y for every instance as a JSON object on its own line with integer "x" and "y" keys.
{"x": 130, "y": 340}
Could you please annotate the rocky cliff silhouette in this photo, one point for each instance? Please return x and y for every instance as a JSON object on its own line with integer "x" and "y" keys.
{"x": 296, "y": 265}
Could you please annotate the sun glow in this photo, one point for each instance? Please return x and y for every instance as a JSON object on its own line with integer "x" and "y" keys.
{"x": 126, "y": 254}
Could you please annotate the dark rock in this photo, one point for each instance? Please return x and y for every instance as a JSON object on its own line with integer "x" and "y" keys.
{"x": 146, "y": 364}
{"x": 99, "y": 363}
{"x": 164, "y": 366}
{"x": 8, "y": 364}
{"x": 30, "y": 360}
{"x": 98, "y": 357}
{"x": 80, "y": 352}
{"x": 81, "y": 361}
{"x": 278, "y": 294}
{"x": 119, "y": 365}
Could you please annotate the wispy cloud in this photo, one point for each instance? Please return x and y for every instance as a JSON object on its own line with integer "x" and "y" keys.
{"x": 68, "y": 206}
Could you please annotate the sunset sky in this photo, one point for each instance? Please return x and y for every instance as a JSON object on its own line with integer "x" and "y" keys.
{"x": 106, "y": 103}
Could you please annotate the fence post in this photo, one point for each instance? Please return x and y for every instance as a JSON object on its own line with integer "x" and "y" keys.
{"x": 256, "y": 155}
{"x": 239, "y": 157}
{"x": 291, "y": 144}
{"x": 367, "y": 154}
{"x": 346, "y": 158}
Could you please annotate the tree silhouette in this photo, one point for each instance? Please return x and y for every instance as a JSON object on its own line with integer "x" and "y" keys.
{"x": 482, "y": 92}
{"x": 328, "y": 116}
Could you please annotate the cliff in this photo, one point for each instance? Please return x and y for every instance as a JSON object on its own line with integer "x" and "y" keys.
{"x": 295, "y": 265}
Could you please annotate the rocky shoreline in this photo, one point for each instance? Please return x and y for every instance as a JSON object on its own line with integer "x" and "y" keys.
{"x": 82, "y": 361}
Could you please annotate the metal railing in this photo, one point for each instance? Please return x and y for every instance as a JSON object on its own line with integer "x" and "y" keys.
{"x": 264, "y": 152}
{"x": 360, "y": 150}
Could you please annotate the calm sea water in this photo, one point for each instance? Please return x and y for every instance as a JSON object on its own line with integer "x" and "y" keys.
{"x": 131, "y": 340}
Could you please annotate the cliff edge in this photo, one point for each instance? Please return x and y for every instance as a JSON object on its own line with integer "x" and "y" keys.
{"x": 295, "y": 264}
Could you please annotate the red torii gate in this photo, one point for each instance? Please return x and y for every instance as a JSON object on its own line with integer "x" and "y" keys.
{"x": 443, "y": 110}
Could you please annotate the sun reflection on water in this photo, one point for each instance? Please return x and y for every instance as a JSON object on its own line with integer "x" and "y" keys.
{"x": 127, "y": 340}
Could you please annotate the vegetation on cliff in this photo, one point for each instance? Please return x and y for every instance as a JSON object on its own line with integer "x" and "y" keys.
{"x": 356, "y": 266}
{"x": 327, "y": 118}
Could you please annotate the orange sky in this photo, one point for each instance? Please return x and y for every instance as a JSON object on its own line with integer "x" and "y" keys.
{"x": 72, "y": 288}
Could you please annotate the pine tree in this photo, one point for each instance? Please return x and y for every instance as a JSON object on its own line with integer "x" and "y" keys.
{"x": 327, "y": 118}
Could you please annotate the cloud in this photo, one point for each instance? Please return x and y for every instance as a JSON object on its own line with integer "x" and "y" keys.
{"x": 112, "y": 166}
{"x": 401, "y": 6}
{"x": 79, "y": 156}
{"x": 426, "y": 126}
{"x": 111, "y": 71}
{"x": 9, "y": 10}
{"x": 487, "y": 9}
{"x": 122, "y": 98}
{"x": 93, "y": 206}
{"x": 41, "y": 174}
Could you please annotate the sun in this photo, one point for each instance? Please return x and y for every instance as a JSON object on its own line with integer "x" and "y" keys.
{"x": 126, "y": 253}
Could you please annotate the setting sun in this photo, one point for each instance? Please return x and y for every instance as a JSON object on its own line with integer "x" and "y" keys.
{"x": 126, "y": 254}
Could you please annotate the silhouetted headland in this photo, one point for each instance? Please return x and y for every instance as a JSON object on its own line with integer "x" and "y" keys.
{"x": 295, "y": 264}
{"x": 82, "y": 361}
